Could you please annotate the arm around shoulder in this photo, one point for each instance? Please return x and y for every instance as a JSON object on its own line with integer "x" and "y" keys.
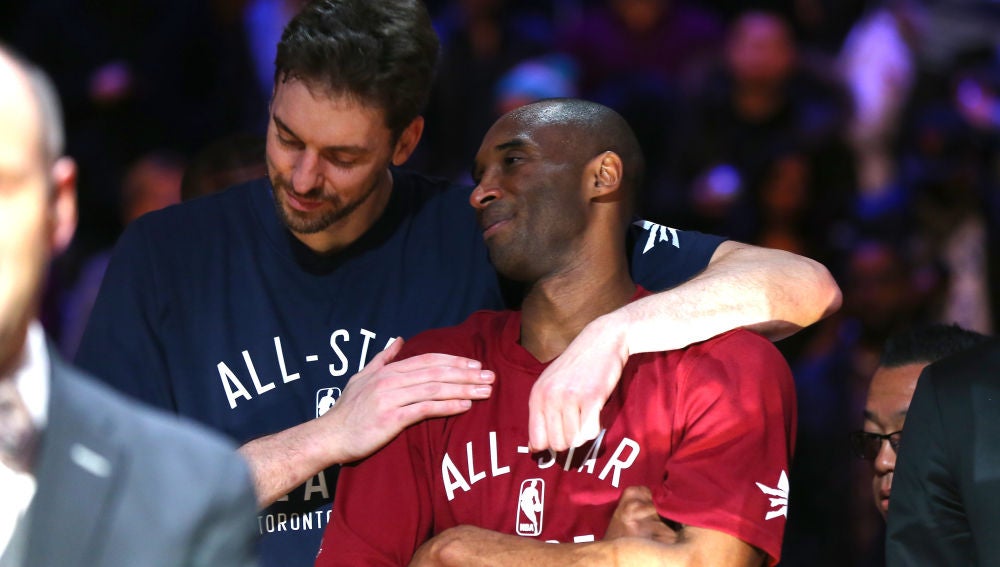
{"x": 772, "y": 292}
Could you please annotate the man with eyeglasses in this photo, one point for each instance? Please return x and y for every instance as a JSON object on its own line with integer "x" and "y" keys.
{"x": 903, "y": 358}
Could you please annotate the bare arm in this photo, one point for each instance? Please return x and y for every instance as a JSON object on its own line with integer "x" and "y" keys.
{"x": 636, "y": 536}
{"x": 377, "y": 403}
{"x": 772, "y": 292}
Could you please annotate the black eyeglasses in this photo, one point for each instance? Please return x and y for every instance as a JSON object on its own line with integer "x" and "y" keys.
{"x": 867, "y": 445}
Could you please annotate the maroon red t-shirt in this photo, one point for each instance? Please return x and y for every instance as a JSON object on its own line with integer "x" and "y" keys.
{"x": 710, "y": 429}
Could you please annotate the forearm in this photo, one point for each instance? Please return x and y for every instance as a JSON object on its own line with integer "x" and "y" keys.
{"x": 284, "y": 460}
{"x": 772, "y": 292}
{"x": 467, "y": 545}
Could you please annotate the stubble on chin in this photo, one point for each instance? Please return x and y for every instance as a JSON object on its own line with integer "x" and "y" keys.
{"x": 316, "y": 221}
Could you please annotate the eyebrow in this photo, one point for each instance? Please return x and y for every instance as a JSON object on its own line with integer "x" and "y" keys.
{"x": 510, "y": 144}
{"x": 351, "y": 149}
{"x": 515, "y": 143}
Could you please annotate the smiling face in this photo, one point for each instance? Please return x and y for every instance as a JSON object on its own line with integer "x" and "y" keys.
{"x": 327, "y": 158}
{"x": 889, "y": 396}
{"x": 529, "y": 196}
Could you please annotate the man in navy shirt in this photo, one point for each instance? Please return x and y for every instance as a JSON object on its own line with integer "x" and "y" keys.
{"x": 250, "y": 309}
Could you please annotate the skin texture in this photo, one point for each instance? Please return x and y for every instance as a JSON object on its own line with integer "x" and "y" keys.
{"x": 889, "y": 396}
{"x": 330, "y": 176}
{"x": 37, "y": 209}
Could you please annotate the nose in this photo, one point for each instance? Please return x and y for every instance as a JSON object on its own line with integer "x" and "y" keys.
{"x": 885, "y": 459}
{"x": 307, "y": 174}
{"x": 484, "y": 193}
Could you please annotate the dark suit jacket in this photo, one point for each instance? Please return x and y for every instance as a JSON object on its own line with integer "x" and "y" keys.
{"x": 945, "y": 503}
{"x": 123, "y": 485}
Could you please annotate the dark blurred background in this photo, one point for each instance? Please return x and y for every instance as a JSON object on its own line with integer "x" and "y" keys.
{"x": 860, "y": 133}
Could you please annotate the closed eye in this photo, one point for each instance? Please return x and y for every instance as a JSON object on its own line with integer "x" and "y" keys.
{"x": 288, "y": 142}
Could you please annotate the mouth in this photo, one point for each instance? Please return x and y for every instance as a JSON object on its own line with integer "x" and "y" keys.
{"x": 492, "y": 220}
{"x": 302, "y": 204}
{"x": 493, "y": 228}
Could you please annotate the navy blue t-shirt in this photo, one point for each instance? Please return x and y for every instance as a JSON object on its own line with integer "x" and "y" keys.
{"x": 214, "y": 310}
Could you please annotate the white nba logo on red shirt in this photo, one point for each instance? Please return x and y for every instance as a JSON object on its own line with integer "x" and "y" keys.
{"x": 530, "y": 505}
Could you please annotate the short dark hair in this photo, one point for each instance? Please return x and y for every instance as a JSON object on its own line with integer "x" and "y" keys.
{"x": 380, "y": 52}
{"x": 928, "y": 343}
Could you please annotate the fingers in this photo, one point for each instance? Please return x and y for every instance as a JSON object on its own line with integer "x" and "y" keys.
{"x": 386, "y": 355}
{"x": 538, "y": 438}
{"x": 477, "y": 388}
{"x": 554, "y": 427}
{"x": 590, "y": 425}
{"x": 570, "y": 424}
{"x": 436, "y": 359}
{"x": 415, "y": 413}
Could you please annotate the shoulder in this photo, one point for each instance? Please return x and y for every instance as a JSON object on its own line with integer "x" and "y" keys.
{"x": 967, "y": 368}
{"x": 962, "y": 385}
{"x": 736, "y": 342}
{"x": 234, "y": 200}
{"x": 465, "y": 339}
{"x": 189, "y": 224}
{"x": 416, "y": 189}
{"x": 151, "y": 436}
{"x": 739, "y": 357}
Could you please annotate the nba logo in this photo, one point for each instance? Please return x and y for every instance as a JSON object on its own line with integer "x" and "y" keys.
{"x": 325, "y": 398}
{"x": 530, "y": 503}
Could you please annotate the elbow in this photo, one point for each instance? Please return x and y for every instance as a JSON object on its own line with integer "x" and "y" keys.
{"x": 830, "y": 298}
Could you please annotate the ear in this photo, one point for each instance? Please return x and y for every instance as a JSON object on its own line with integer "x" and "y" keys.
{"x": 407, "y": 141}
{"x": 606, "y": 170}
{"x": 63, "y": 209}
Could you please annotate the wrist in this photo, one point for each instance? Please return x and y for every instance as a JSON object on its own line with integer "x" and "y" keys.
{"x": 612, "y": 330}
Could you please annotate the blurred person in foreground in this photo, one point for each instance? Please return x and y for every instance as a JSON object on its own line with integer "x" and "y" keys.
{"x": 88, "y": 478}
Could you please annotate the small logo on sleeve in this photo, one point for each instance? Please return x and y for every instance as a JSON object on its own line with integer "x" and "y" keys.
{"x": 779, "y": 500}
{"x": 325, "y": 399}
{"x": 530, "y": 505}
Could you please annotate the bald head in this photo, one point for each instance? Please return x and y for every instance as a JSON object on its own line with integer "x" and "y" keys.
{"x": 28, "y": 92}
{"x": 37, "y": 197}
{"x": 591, "y": 129}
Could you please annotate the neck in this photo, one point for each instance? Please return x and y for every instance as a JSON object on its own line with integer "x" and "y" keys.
{"x": 12, "y": 345}
{"x": 557, "y": 308}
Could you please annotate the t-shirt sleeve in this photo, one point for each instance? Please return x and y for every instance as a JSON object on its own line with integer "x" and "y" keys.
{"x": 736, "y": 413}
{"x": 120, "y": 345}
{"x": 927, "y": 522}
{"x": 382, "y": 511}
{"x": 662, "y": 257}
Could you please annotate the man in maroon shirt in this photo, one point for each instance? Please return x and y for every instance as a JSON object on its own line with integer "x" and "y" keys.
{"x": 708, "y": 430}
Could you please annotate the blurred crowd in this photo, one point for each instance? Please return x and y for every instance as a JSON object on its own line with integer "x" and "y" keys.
{"x": 864, "y": 134}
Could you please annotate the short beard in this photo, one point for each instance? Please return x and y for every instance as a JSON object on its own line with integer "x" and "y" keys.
{"x": 311, "y": 225}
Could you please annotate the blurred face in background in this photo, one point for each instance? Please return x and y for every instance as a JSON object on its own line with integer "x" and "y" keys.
{"x": 760, "y": 50}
